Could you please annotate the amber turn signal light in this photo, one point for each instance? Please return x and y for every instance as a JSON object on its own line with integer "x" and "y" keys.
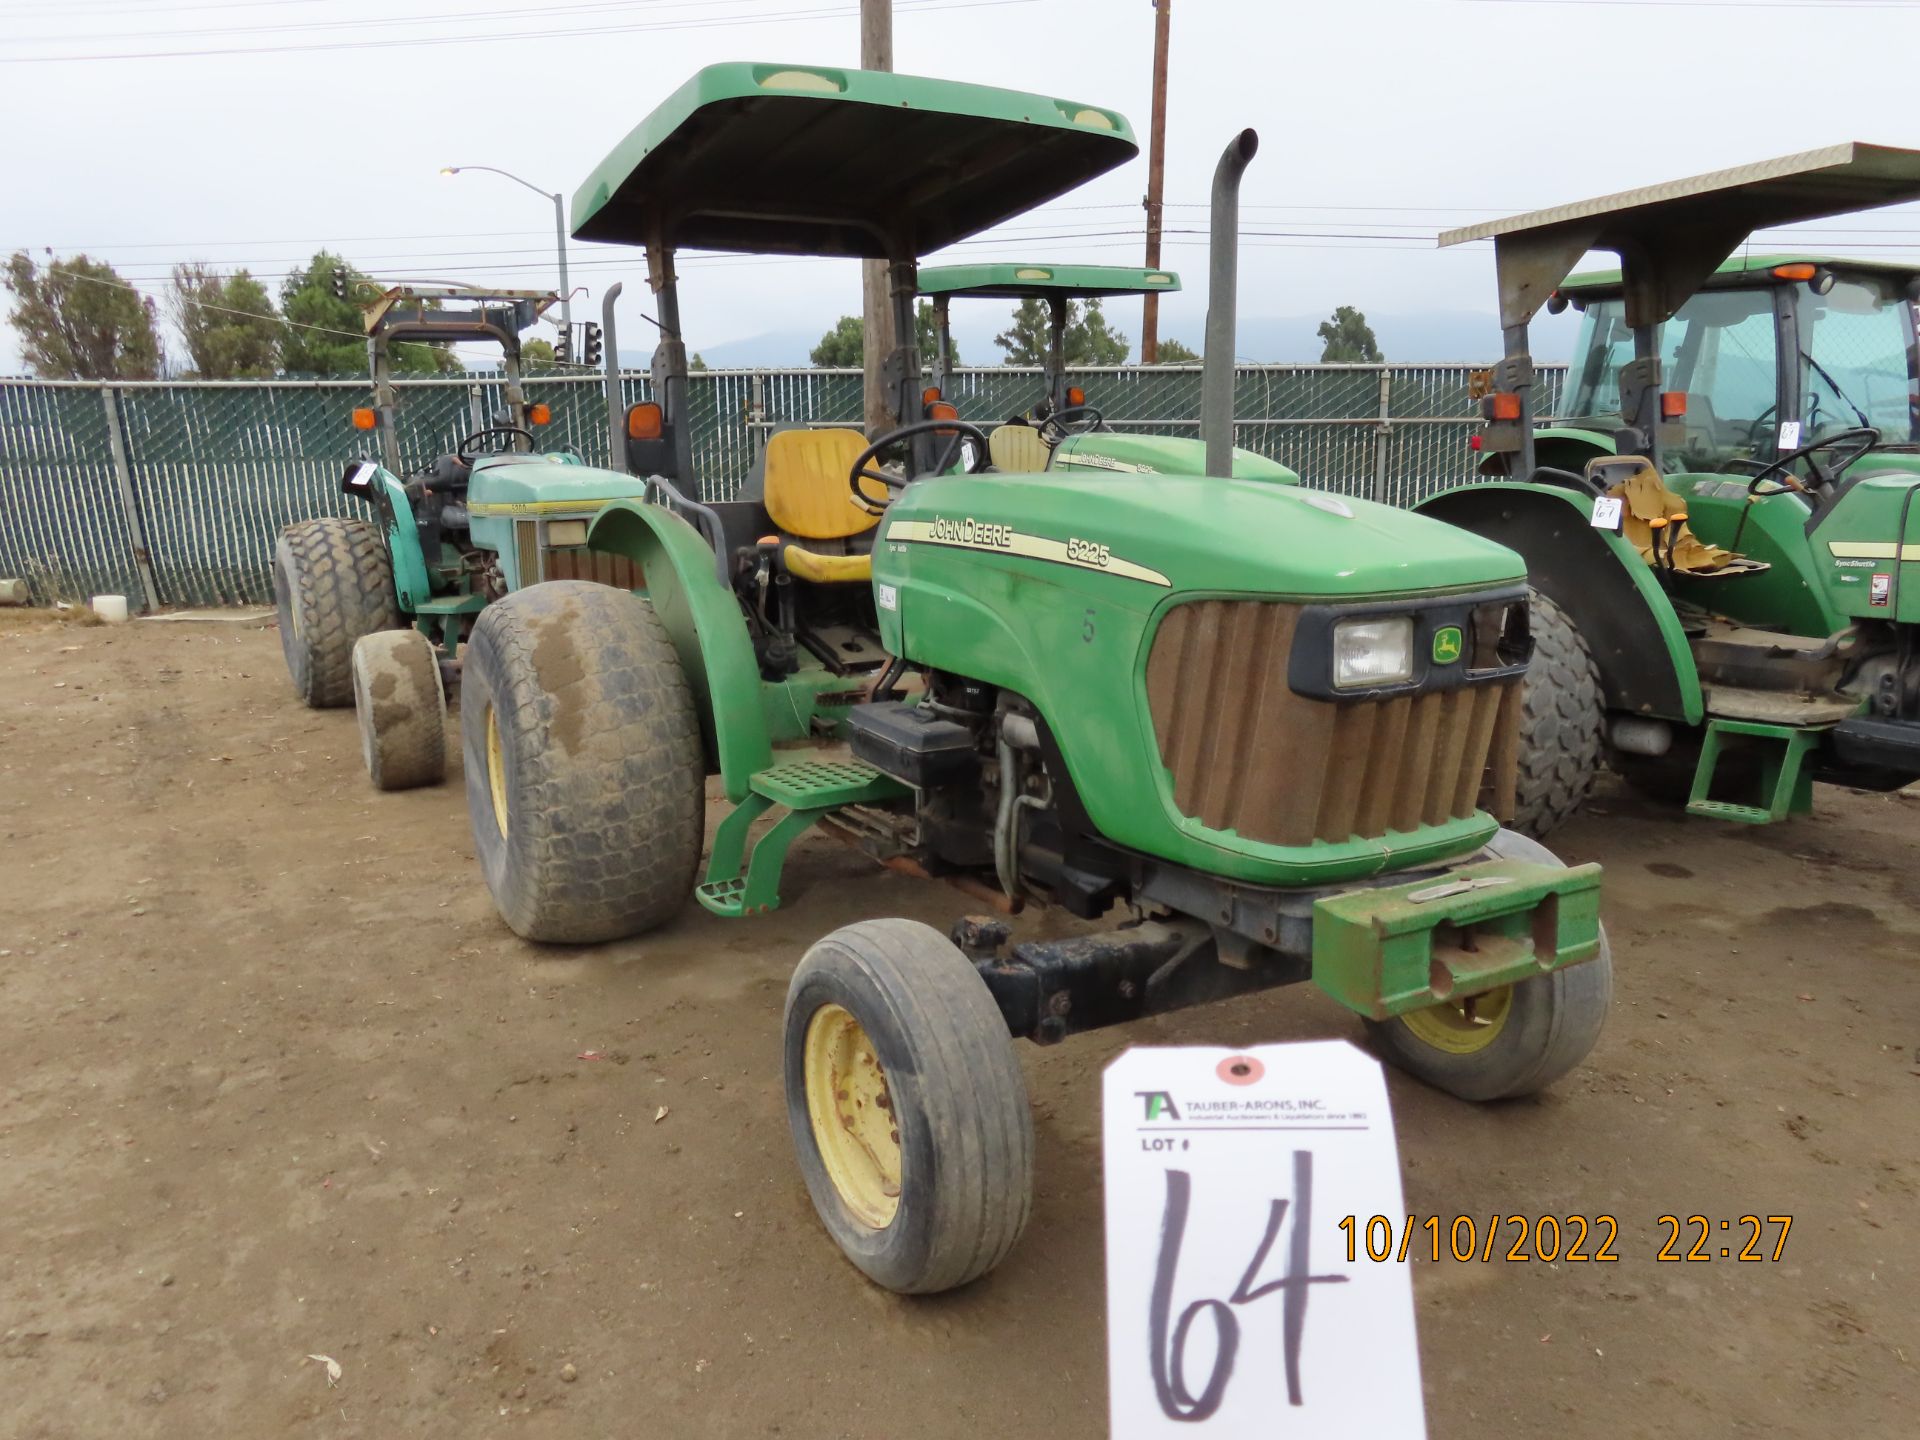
{"x": 645, "y": 421}
{"x": 1503, "y": 405}
{"x": 1076, "y": 396}
{"x": 1673, "y": 404}
{"x": 364, "y": 418}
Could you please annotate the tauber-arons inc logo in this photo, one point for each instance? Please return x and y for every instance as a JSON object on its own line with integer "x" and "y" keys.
{"x": 1446, "y": 645}
{"x": 1158, "y": 1104}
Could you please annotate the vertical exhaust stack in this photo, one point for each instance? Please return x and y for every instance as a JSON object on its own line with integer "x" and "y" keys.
{"x": 1223, "y": 269}
{"x": 616, "y": 403}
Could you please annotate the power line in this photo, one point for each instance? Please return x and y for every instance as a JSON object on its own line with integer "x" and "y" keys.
{"x": 915, "y": 7}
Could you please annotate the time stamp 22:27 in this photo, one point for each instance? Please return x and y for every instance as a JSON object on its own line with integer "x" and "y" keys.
{"x": 1558, "y": 1238}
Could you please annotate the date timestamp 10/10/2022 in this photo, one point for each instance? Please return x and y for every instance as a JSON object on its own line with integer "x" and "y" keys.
{"x": 1551, "y": 1238}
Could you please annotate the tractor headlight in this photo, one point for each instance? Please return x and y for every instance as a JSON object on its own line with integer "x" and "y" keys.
{"x": 1368, "y": 653}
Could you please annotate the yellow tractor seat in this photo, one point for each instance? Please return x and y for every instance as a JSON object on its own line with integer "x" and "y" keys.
{"x": 807, "y": 498}
{"x": 1019, "y": 450}
{"x": 1654, "y": 521}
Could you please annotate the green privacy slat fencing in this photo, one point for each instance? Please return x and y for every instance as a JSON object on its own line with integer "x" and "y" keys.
{"x": 206, "y": 474}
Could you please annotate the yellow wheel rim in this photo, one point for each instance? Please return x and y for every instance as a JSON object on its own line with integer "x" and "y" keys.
{"x": 496, "y": 772}
{"x": 852, "y": 1113}
{"x": 1462, "y": 1027}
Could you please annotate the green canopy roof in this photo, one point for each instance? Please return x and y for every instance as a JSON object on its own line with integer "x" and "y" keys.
{"x": 1006, "y": 281}
{"x": 810, "y": 160}
{"x": 1741, "y": 266}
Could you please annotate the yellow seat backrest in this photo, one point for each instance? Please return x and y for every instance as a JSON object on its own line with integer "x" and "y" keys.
{"x": 806, "y": 490}
{"x": 1018, "y": 450}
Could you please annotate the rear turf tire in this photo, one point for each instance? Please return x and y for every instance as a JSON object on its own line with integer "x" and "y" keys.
{"x": 584, "y": 767}
{"x": 1562, "y": 724}
{"x": 401, "y": 706}
{"x": 332, "y": 583}
{"x": 907, "y": 1106}
{"x": 1527, "y": 1035}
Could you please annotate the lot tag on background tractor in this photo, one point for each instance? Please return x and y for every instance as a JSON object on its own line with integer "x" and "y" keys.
{"x": 1609, "y": 513}
{"x": 1232, "y": 1308}
{"x": 1789, "y": 434}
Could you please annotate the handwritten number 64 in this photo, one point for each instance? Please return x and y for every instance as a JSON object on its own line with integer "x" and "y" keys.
{"x": 1177, "y": 1400}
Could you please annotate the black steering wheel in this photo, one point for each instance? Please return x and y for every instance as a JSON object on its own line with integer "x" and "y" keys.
{"x": 1070, "y": 420}
{"x": 1862, "y": 437}
{"x": 863, "y": 467}
{"x": 466, "y": 446}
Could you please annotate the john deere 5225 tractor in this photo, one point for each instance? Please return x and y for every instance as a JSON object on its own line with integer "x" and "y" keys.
{"x": 1259, "y": 731}
{"x": 1720, "y": 531}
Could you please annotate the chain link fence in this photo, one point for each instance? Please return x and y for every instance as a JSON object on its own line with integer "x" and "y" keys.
{"x": 172, "y": 493}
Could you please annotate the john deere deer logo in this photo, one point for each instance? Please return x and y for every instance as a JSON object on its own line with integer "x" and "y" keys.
{"x": 1446, "y": 645}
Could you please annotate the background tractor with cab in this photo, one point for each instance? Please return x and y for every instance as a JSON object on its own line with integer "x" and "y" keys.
{"x": 1062, "y": 428}
{"x": 1260, "y": 731}
{"x": 1718, "y": 527}
{"x": 373, "y": 611}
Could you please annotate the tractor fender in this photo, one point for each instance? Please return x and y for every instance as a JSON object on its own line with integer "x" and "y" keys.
{"x": 1599, "y": 580}
{"x": 410, "y": 579}
{"x": 708, "y": 632}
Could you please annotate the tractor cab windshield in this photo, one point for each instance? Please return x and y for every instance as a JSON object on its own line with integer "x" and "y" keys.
{"x": 1842, "y": 341}
{"x": 1027, "y": 440}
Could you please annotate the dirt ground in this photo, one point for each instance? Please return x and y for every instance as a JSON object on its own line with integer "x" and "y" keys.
{"x": 276, "y": 1083}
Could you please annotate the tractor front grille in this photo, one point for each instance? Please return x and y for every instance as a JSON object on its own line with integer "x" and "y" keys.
{"x": 1249, "y": 755}
{"x": 572, "y": 563}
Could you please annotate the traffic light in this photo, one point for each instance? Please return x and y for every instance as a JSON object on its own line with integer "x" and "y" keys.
{"x": 591, "y": 332}
{"x": 339, "y": 282}
{"x": 563, "y": 352}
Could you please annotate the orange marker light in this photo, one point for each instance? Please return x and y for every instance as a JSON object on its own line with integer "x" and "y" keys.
{"x": 1503, "y": 405}
{"x": 364, "y": 418}
{"x": 1076, "y": 396}
{"x": 539, "y": 415}
{"x": 940, "y": 410}
{"x": 645, "y": 421}
{"x": 1673, "y": 404}
{"x": 1798, "y": 271}
{"x": 930, "y": 395}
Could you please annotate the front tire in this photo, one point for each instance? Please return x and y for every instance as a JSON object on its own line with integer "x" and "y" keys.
{"x": 907, "y": 1106}
{"x": 1562, "y": 724}
{"x": 585, "y": 771}
{"x": 400, "y": 704}
{"x": 1512, "y": 1041}
{"x": 332, "y": 583}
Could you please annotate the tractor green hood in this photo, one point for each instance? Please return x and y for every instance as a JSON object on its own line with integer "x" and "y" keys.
{"x": 1054, "y": 587}
{"x": 533, "y": 484}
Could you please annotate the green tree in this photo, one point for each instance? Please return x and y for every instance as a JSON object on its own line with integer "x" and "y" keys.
{"x": 78, "y": 320}
{"x": 698, "y": 362}
{"x": 226, "y": 322}
{"x": 1172, "y": 352}
{"x": 536, "y": 352}
{"x": 842, "y": 345}
{"x": 1089, "y": 340}
{"x": 323, "y": 330}
{"x": 1348, "y": 338}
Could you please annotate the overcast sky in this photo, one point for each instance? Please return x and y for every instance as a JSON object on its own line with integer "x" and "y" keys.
{"x": 1382, "y": 122}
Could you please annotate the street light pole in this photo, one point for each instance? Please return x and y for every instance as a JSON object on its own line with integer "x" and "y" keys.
{"x": 559, "y": 231}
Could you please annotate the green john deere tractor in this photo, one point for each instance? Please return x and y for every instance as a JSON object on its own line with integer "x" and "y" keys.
{"x": 373, "y": 612}
{"x": 1717, "y": 529}
{"x": 1262, "y": 731}
{"x": 1061, "y": 429}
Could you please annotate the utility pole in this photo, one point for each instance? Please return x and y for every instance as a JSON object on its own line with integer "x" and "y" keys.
{"x": 876, "y": 309}
{"x": 1156, "y": 178}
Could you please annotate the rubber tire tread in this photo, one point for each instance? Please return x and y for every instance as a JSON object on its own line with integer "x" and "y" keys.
{"x": 403, "y": 726}
{"x": 605, "y": 773}
{"x": 1555, "y": 1021}
{"x": 1562, "y": 724}
{"x": 958, "y": 1092}
{"x": 337, "y": 572}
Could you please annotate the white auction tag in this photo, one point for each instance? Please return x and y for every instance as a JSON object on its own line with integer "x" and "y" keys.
{"x": 1607, "y": 513}
{"x": 1236, "y": 1305}
{"x": 1789, "y": 434}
